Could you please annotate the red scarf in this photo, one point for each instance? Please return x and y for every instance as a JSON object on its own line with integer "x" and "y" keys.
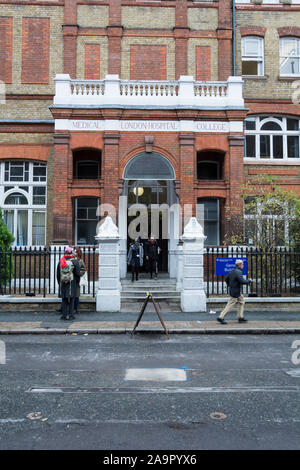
{"x": 63, "y": 262}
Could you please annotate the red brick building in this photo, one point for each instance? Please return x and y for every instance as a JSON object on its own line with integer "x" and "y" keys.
{"x": 147, "y": 95}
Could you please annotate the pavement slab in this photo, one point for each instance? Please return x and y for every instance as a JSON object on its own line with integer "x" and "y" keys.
{"x": 265, "y": 321}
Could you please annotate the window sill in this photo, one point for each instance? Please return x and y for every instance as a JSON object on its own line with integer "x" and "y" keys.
{"x": 289, "y": 78}
{"x": 254, "y": 161}
{"x": 255, "y": 77}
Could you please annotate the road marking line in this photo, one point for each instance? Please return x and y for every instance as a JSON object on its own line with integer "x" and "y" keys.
{"x": 170, "y": 390}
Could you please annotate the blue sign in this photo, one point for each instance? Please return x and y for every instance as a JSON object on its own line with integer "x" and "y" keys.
{"x": 225, "y": 265}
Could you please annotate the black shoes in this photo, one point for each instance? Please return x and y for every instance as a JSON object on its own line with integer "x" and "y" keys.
{"x": 71, "y": 317}
{"x": 240, "y": 320}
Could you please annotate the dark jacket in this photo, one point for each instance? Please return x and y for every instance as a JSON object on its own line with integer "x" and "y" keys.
{"x": 235, "y": 280}
{"x": 65, "y": 288}
{"x": 136, "y": 255}
{"x": 152, "y": 250}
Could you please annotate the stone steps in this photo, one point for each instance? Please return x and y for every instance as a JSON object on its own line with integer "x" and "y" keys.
{"x": 162, "y": 290}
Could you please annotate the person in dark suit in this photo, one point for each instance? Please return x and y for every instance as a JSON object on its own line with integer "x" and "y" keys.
{"x": 234, "y": 281}
{"x": 152, "y": 251}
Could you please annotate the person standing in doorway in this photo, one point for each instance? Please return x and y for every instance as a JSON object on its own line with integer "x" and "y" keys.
{"x": 152, "y": 251}
{"x": 79, "y": 257}
{"x": 68, "y": 275}
{"x": 234, "y": 281}
{"x": 135, "y": 258}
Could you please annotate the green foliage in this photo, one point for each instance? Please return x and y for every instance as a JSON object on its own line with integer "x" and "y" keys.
{"x": 273, "y": 216}
{"x": 6, "y": 239}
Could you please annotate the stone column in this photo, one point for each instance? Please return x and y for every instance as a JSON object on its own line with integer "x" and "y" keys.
{"x": 108, "y": 298}
{"x": 193, "y": 298}
{"x": 187, "y": 175}
{"x": 110, "y": 174}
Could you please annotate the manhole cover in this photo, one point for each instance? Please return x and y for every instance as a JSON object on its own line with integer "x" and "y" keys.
{"x": 34, "y": 416}
{"x": 217, "y": 415}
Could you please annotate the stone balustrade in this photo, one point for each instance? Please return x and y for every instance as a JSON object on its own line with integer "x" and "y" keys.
{"x": 183, "y": 93}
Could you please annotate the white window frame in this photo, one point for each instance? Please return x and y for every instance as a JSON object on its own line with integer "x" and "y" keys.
{"x": 257, "y": 57}
{"x": 257, "y": 132}
{"x": 258, "y": 216}
{"x": 283, "y": 57}
{"x": 16, "y": 187}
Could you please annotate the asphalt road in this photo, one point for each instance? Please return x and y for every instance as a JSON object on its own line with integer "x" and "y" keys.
{"x": 214, "y": 392}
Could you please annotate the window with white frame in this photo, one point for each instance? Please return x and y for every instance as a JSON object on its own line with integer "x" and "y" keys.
{"x": 23, "y": 199}
{"x": 266, "y": 223}
{"x": 272, "y": 138}
{"x": 252, "y": 55}
{"x": 289, "y": 52}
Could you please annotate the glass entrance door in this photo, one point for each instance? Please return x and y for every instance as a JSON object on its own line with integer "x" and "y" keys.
{"x": 152, "y": 194}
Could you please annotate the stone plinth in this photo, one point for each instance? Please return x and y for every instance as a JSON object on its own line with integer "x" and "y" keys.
{"x": 108, "y": 298}
{"x": 193, "y": 298}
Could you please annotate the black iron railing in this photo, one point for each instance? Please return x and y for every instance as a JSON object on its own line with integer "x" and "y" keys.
{"x": 32, "y": 271}
{"x": 275, "y": 272}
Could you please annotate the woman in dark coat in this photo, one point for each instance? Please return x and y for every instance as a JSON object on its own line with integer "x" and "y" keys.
{"x": 79, "y": 257}
{"x": 135, "y": 258}
{"x": 68, "y": 290}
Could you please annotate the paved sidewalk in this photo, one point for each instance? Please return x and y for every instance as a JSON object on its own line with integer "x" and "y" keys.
{"x": 259, "y": 322}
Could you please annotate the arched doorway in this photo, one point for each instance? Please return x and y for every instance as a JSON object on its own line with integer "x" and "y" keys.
{"x": 149, "y": 184}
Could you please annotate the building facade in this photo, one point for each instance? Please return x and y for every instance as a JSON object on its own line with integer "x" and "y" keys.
{"x": 163, "y": 102}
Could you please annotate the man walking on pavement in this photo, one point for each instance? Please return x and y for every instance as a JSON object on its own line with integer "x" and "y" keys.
{"x": 235, "y": 280}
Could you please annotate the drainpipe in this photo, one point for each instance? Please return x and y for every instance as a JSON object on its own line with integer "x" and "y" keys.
{"x": 233, "y": 38}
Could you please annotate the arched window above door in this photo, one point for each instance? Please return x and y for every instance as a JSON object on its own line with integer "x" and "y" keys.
{"x": 151, "y": 166}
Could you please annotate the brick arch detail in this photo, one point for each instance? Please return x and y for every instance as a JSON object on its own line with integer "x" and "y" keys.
{"x": 139, "y": 150}
{"x": 25, "y": 152}
{"x": 80, "y": 140}
{"x": 212, "y": 149}
{"x": 253, "y": 31}
{"x": 289, "y": 31}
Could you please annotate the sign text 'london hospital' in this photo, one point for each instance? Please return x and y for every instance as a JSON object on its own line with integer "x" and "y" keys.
{"x": 142, "y": 126}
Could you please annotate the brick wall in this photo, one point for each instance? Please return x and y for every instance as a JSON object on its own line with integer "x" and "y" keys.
{"x": 202, "y": 63}
{"x": 6, "y": 40}
{"x": 273, "y": 24}
{"x": 148, "y": 62}
{"x": 92, "y": 62}
{"x": 16, "y": 14}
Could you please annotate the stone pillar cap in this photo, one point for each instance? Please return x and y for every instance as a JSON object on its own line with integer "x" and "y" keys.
{"x": 193, "y": 230}
{"x": 107, "y": 229}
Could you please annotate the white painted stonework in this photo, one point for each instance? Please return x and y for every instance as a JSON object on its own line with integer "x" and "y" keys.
{"x": 148, "y": 94}
{"x": 108, "y": 297}
{"x": 193, "y": 298}
{"x": 147, "y": 125}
